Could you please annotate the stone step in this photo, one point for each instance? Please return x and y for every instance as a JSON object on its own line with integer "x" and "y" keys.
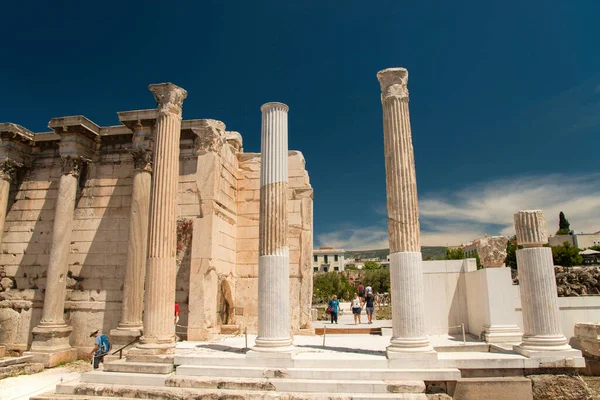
{"x": 348, "y": 331}
{"x": 447, "y": 374}
{"x": 348, "y": 386}
{"x": 138, "y": 367}
{"x": 16, "y": 360}
{"x": 106, "y": 392}
{"x": 234, "y": 360}
{"x": 124, "y": 378}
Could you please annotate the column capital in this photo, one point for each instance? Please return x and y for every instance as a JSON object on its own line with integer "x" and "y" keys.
{"x": 530, "y": 226}
{"x": 142, "y": 159}
{"x": 169, "y": 97}
{"x": 8, "y": 169}
{"x": 393, "y": 82}
{"x": 72, "y": 165}
{"x": 274, "y": 104}
{"x": 209, "y": 134}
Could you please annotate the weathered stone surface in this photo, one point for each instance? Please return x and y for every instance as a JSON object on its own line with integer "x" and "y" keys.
{"x": 492, "y": 251}
{"x": 530, "y": 226}
{"x": 577, "y": 282}
{"x": 559, "y": 387}
{"x": 20, "y": 369}
{"x": 587, "y": 335}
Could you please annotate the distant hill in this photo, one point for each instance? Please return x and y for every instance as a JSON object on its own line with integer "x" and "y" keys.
{"x": 428, "y": 252}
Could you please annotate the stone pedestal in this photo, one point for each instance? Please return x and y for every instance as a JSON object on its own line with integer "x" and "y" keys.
{"x": 587, "y": 335}
{"x": 406, "y": 275}
{"x": 51, "y": 337}
{"x": 273, "y": 263}
{"x": 130, "y": 327}
{"x": 537, "y": 284}
{"x": 159, "y": 296}
{"x": 491, "y": 305}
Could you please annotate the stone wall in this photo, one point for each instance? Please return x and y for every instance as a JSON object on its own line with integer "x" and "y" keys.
{"x": 300, "y": 196}
{"x": 217, "y": 249}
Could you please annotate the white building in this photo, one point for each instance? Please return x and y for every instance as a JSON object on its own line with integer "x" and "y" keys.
{"x": 327, "y": 259}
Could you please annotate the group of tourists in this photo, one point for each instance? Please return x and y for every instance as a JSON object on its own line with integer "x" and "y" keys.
{"x": 364, "y": 298}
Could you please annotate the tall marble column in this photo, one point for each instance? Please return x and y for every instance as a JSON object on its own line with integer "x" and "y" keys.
{"x": 159, "y": 295}
{"x": 274, "y": 256}
{"x": 130, "y": 325}
{"x": 406, "y": 274}
{"x": 51, "y": 337}
{"x": 537, "y": 285}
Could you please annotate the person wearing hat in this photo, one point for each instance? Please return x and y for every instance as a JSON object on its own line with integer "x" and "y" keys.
{"x": 101, "y": 348}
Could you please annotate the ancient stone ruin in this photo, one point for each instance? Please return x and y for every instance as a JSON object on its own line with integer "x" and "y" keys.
{"x": 93, "y": 214}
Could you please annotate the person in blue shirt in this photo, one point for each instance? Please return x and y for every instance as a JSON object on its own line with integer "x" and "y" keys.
{"x": 334, "y": 304}
{"x": 101, "y": 348}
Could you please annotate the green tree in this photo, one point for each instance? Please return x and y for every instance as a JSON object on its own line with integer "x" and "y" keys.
{"x": 350, "y": 268}
{"x": 328, "y": 284}
{"x": 566, "y": 255}
{"x": 371, "y": 265}
{"x": 378, "y": 279}
{"x": 511, "y": 252}
{"x": 563, "y": 225}
{"x": 455, "y": 254}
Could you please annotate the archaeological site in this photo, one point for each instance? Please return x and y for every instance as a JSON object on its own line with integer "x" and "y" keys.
{"x": 107, "y": 227}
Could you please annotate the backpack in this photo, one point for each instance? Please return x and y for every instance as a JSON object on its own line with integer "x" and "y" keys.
{"x": 104, "y": 344}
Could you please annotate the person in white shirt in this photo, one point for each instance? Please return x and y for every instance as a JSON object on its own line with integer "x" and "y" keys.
{"x": 356, "y": 308}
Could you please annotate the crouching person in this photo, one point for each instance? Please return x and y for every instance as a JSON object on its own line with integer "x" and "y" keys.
{"x": 101, "y": 348}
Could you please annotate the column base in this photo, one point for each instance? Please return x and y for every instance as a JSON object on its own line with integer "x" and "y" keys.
{"x": 123, "y": 336}
{"x": 51, "y": 345}
{"x": 502, "y": 334}
{"x": 563, "y": 353}
{"x": 153, "y": 349}
{"x": 272, "y": 346}
{"x": 400, "y": 348}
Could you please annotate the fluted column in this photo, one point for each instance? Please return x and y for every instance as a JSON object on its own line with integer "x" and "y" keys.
{"x": 537, "y": 285}
{"x": 7, "y": 172}
{"x": 159, "y": 295}
{"x": 273, "y": 262}
{"x": 51, "y": 337}
{"x": 137, "y": 245}
{"x": 406, "y": 274}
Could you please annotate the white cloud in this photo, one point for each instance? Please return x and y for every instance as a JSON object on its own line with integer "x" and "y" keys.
{"x": 489, "y": 207}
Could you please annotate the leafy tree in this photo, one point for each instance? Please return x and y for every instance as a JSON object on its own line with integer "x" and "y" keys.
{"x": 563, "y": 225}
{"x": 511, "y": 252}
{"x": 378, "y": 279}
{"x": 566, "y": 255}
{"x": 597, "y": 248}
{"x": 459, "y": 254}
{"x": 371, "y": 265}
{"x": 350, "y": 268}
{"x": 455, "y": 254}
{"x": 328, "y": 284}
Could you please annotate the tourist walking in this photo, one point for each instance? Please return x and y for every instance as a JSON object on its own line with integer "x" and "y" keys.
{"x": 361, "y": 290}
{"x": 177, "y": 311}
{"x": 356, "y": 308}
{"x": 370, "y": 304}
{"x": 334, "y": 306}
{"x": 101, "y": 348}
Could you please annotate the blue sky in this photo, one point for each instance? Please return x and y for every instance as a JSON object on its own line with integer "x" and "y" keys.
{"x": 505, "y": 96}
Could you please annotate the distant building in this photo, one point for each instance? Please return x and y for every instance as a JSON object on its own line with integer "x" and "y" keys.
{"x": 580, "y": 240}
{"x": 470, "y": 250}
{"x": 327, "y": 259}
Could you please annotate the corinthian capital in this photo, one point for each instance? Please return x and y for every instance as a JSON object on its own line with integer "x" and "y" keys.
{"x": 142, "y": 159}
{"x": 8, "y": 169}
{"x": 169, "y": 97}
{"x": 72, "y": 165}
{"x": 394, "y": 82}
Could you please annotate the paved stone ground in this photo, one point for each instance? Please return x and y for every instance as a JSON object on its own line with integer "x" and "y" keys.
{"x": 23, "y": 387}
